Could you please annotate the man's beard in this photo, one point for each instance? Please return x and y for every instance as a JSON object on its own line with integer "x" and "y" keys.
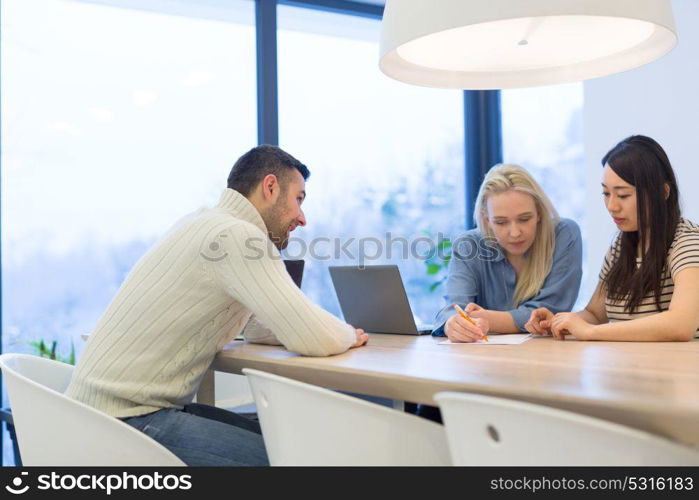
{"x": 277, "y": 228}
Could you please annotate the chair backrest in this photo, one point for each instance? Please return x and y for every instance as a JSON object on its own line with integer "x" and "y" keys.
{"x": 307, "y": 425}
{"x": 485, "y": 430}
{"x": 54, "y": 430}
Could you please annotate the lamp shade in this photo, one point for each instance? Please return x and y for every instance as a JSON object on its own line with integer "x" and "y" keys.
{"x": 497, "y": 44}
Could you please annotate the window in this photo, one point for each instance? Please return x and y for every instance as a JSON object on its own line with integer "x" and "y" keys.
{"x": 543, "y": 132}
{"x": 115, "y": 123}
{"x": 127, "y": 114}
{"x": 386, "y": 158}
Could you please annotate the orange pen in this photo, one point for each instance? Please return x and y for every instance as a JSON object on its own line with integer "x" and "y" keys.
{"x": 470, "y": 320}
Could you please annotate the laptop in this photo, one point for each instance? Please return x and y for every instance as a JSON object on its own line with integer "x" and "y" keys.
{"x": 295, "y": 270}
{"x": 373, "y": 298}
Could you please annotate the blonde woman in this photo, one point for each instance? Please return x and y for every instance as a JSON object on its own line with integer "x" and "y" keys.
{"x": 521, "y": 257}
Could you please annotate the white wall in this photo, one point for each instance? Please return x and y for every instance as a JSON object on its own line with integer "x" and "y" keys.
{"x": 660, "y": 100}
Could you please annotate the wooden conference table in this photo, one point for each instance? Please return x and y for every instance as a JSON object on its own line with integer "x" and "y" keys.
{"x": 649, "y": 386}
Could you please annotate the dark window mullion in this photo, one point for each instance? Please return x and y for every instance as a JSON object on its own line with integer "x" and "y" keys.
{"x": 339, "y": 6}
{"x": 267, "y": 81}
{"x": 482, "y": 141}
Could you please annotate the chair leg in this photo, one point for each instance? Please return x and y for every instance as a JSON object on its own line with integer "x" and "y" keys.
{"x": 15, "y": 444}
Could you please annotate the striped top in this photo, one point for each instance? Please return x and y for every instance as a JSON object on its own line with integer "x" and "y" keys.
{"x": 683, "y": 253}
{"x": 191, "y": 294}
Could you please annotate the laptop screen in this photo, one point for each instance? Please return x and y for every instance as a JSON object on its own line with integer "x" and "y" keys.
{"x": 373, "y": 298}
{"x": 295, "y": 270}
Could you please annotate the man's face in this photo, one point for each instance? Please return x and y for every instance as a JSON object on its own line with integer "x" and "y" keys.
{"x": 286, "y": 213}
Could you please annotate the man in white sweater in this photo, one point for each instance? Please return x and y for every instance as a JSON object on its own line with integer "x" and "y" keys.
{"x": 191, "y": 294}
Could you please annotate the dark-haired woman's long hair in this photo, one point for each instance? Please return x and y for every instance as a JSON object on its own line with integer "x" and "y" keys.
{"x": 641, "y": 162}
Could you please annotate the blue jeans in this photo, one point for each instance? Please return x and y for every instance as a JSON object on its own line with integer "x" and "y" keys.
{"x": 205, "y": 436}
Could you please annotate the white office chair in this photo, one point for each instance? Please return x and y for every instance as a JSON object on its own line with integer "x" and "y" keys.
{"x": 54, "y": 430}
{"x": 484, "y": 430}
{"x": 307, "y": 425}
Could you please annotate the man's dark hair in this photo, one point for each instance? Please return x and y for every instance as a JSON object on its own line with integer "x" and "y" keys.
{"x": 259, "y": 162}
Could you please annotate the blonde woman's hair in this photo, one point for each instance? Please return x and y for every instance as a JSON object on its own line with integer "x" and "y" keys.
{"x": 503, "y": 178}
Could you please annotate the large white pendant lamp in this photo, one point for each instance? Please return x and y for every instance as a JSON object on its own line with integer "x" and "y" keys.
{"x": 497, "y": 44}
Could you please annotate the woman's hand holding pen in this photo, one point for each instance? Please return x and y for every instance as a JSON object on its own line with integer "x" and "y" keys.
{"x": 459, "y": 329}
{"x": 473, "y": 310}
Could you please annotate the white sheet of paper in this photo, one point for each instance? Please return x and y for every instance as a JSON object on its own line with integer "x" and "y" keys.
{"x": 503, "y": 339}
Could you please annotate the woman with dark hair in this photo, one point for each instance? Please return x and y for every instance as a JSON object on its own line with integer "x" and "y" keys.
{"x": 649, "y": 283}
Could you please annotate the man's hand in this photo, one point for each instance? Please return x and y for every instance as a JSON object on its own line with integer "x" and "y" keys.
{"x": 362, "y": 338}
{"x": 539, "y": 322}
{"x": 458, "y": 329}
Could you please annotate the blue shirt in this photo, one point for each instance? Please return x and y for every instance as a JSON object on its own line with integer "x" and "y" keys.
{"x": 480, "y": 273}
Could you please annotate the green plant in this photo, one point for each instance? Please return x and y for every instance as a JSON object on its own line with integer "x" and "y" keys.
{"x": 439, "y": 263}
{"x": 42, "y": 350}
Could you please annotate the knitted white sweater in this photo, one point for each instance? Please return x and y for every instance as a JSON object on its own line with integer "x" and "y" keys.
{"x": 191, "y": 294}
